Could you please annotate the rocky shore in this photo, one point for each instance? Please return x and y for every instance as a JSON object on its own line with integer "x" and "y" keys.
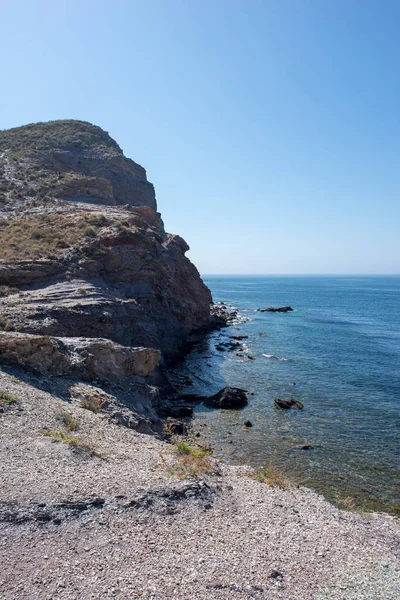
{"x": 111, "y": 516}
{"x": 102, "y": 494}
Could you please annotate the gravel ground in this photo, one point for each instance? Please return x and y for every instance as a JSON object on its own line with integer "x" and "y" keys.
{"x": 81, "y": 527}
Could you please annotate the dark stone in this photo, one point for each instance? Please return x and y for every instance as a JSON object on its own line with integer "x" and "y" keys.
{"x": 239, "y": 337}
{"x": 229, "y": 398}
{"x": 279, "y": 309}
{"x": 177, "y": 427}
{"x": 275, "y": 575}
{"x": 306, "y": 447}
{"x": 190, "y": 398}
{"x": 248, "y": 424}
{"x": 285, "y": 404}
{"x": 178, "y": 412}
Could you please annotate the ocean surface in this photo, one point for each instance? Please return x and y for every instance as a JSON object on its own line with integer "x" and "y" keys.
{"x": 338, "y": 352}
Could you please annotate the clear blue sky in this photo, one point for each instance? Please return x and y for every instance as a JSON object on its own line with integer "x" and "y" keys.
{"x": 270, "y": 129}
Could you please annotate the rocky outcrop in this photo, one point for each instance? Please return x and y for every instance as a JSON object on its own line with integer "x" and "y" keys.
{"x": 26, "y": 272}
{"x": 91, "y": 285}
{"x": 80, "y": 357}
{"x": 100, "y": 268}
{"x": 71, "y": 160}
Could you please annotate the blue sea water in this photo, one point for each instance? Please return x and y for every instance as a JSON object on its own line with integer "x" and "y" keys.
{"x": 338, "y": 352}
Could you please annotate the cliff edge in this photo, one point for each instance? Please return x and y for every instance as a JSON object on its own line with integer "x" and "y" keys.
{"x": 84, "y": 257}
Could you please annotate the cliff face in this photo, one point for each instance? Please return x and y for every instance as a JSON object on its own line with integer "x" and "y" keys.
{"x": 84, "y": 252}
{"x": 70, "y": 160}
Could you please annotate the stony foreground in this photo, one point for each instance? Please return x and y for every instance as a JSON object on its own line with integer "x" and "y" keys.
{"x": 112, "y": 522}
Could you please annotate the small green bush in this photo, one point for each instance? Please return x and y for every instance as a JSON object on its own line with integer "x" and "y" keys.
{"x": 185, "y": 448}
{"x": 7, "y": 399}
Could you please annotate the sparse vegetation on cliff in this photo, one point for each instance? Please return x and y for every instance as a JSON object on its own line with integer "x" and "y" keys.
{"x": 65, "y": 135}
{"x": 50, "y": 235}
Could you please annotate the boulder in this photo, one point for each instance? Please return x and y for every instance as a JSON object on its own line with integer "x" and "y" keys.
{"x": 228, "y": 398}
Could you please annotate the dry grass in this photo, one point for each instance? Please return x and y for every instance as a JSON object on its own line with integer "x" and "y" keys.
{"x": 169, "y": 429}
{"x": 73, "y": 442}
{"x": 50, "y": 235}
{"x": 6, "y": 324}
{"x": 192, "y": 461}
{"x": 347, "y": 503}
{"x": 39, "y": 237}
{"x": 93, "y": 403}
{"x": 66, "y": 418}
{"x": 269, "y": 475}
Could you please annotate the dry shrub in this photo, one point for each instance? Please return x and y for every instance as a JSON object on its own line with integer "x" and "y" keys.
{"x": 9, "y": 325}
{"x": 66, "y": 418}
{"x": 347, "y": 503}
{"x": 193, "y": 462}
{"x": 43, "y": 236}
{"x": 169, "y": 429}
{"x": 93, "y": 403}
{"x": 6, "y": 290}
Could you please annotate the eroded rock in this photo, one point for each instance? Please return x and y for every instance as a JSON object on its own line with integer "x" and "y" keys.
{"x": 85, "y": 357}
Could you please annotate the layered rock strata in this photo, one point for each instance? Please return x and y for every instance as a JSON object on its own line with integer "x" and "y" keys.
{"x": 87, "y": 269}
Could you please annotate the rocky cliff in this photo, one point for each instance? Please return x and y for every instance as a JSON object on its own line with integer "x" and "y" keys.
{"x": 84, "y": 254}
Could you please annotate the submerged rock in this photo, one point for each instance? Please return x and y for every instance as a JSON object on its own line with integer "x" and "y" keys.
{"x": 285, "y": 404}
{"x": 228, "y": 398}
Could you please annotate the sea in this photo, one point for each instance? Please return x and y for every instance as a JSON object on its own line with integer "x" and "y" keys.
{"x": 338, "y": 353}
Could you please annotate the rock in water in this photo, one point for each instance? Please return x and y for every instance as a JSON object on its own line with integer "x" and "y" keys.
{"x": 279, "y": 309}
{"x": 229, "y": 398}
{"x": 285, "y": 404}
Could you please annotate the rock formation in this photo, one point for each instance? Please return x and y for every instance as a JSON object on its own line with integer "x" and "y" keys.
{"x": 86, "y": 267}
{"x": 282, "y": 309}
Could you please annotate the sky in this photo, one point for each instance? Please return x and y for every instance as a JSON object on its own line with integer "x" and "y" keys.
{"x": 270, "y": 129}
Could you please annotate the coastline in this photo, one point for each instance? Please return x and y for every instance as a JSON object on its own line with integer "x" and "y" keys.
{"x": 120, "y": 525}
{"x": 349, "y": 423}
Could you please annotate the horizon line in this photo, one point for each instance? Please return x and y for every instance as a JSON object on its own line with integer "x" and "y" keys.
{"x": 300, "y": 274}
